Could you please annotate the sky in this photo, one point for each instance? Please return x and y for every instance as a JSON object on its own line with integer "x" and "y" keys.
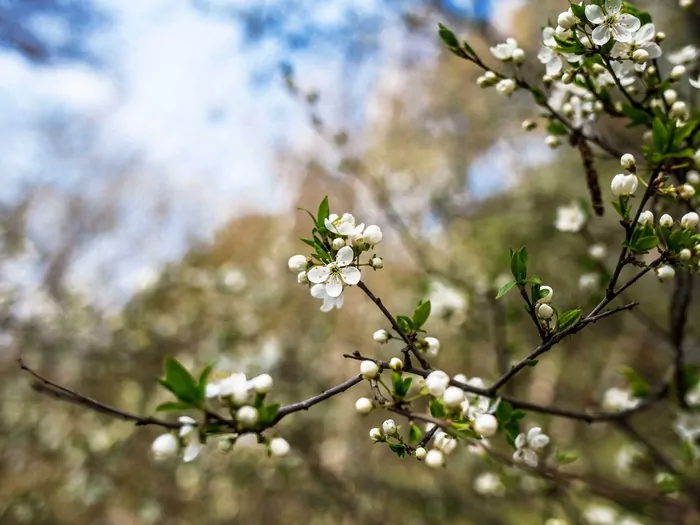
{"x": 173, "y": 127}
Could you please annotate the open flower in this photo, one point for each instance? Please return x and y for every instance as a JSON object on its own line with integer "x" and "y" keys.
{"x": 611, "y": 22}
{"x": 336, "y": 273}
{"x": 528, "y": 446}
{"x": 344, "y": 225}
{"x": 190, "y": 437}
{"x": 234, "y": 385}
{"x": 504, "y": 51}
{"x": 570, "y": 218}
{"x": 642, "y": 39}
{"x": 550, "y": 54}
{"x": 318, "y": 291}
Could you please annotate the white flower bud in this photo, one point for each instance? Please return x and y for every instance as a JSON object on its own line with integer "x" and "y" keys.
{"x": 624, "y": 184}
{"x": 297, "y": 263}
{"x": 506, "y": 86}
{"x": 437, "y": 382}
{"x": 262, "y": 384}
{"x": 545, "y": 297}
{"x": 369, "y": 369}
{"x": 686, "y": 191}
{"x": 381, "y": 336}
{"x": 690, "y": 220}
{"x": 679, "y": 110}
{"x": 491, "y": 76}
{"x": 420, "y": 453}
{"x": 677, "y": 72}
{"x": 279, "y": 447}
{"x": 483, "y": 82}
{"x": 396, "y": 364}
{"x": 597, "y": 252}
{"x": 453, "y": 396}
{"x": 435, "y": 459}
{"x": 338, "y": 243}
{"x": 567, "y": 109}
{"x": 627, "y": 161}
{"x": 552, "y": 141}
{"x": 646, "y": 218}
{"x": 165, "y": 446}
{"x": 444, "y": 442}
{"x": 650, "y": 72}
{"x": 225, "y": 446}
{"x": 670, "y": 96}
{"x": 598, "y": 69}
{"x": 377, "y": 263}
{"x": 528, "y": 125}
{"x": 566, "y": 20}
{"x": 433, "y": 346}
{"x": 660, "y": 36}
{"x": 685, "y": 254}
{"x": 567, "y": 78}
{"x": 460, "y": 378}
{"x": 545, "y": 311}
{"x": 373, "y": 235}
{"x": 375, "y": 435}
{"x": 693, "y": 177}
{"x": 389, "y": 427}
{"x": 665, "y": 273}
{"x": 302, "y": 278}
{"x": 247, "y": 415}
{"x": 666, "y": 221}
{"x": 486, "y": 425}
{"x": 547, "y": 79}
{"x": 648, "y": 137}
{"x": 518, "y": 56}
{"x": 686, "y": 4}
{"x": 697, "y": 158}
{"x": 640, "y": 56}
{"x": 364, "y": 405}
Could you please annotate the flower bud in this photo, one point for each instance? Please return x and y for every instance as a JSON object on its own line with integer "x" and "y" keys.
{"x": 648, "y": 137}
{"x": 376, "y": 435}
{"x": 546, "y": 294}
{"x": 529, "y": 125}
{"x": 453, "y": 396}
{"x": 660, "y": 36}
{"x": 381, "y": 336}
{"x": 460, "y": 378}
{"x": 373, "y": 235}
{"x": 666, "y": 221}
{"x": 262, "y": 384}
{"x": 486, "y": 425}
{"x": 302, "y": 278}
{"x": 567, "y": 109}
{"x": 435, "y": 459}
{"x": 389, "y": 427}
{"x": 690, "y": 220}
{"x": 566, "y": 20}
{"x": 679, "y": 110}
{"x": 697, "y": 158}
{"x": 686, "y": 191}
{"x": 552, "y": 141}
{"x": 377, "y": 263}
{"x": 247, "y": 415}
{"x": 567, "y": 78}
{"x": 677, "y": 72}
{"x": 433, "y": 346}
{"x": 165, "y": 446}
{"x": 650, "y": 72}
{"x": 297, "y": 263}
{"x": 685, "y": 254}
{"x": 279, "y": 447}
{"x": 640, "y": 56}
{"x": 518, "y": 56}
{"x": 396, "y": 364}
{"x": 670, "y": 96}
{"x": 686, "y": 4}
{"x": 693, "y": 177}
{"x": 665, "y": 272}
{"x": 545, "y": 311}
{"x": 338, "y": 243}
{"x": 225, "y": 445}
{"x": 624, "y": 184}
{"x": 369, "y": 369}
{"x": 597, "y": 252}
{"x": 506, "y": 86}
{"x": 444, "y": 442}
{"x": 646, "y": 218}
{"x": 364, "y": 405}
{"x": 483, "y": 82}
{"x": 627, "y": 161}
{"x": 598, "y": 69}
{"x": 420, "y": 453}
{"x": 437, "y": 382}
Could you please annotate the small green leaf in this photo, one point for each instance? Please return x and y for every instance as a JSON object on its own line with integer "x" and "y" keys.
{"x": 310, "y": 215}
{"x": 644, "y": 244}
{"x": 421, "y": 314}
{"x": 556, "y": 128}
{"x": 504, "y": 412}
{"x": 414, "y": 435}
{"x": 660, "y": 135}
{"x": 405, "y": 323}
{"x": 323, "y": 212}
{"x": 170, "y": 407}
{"x": 518, "y": 264}
{"x": 204, "y": 379}
{"x": 179, "y": 381}
{"x": 398, "y": 449}
{"x": 578, "y": 10}
{"x": 436, "y": 408}
{"x": 638, "y": 386}
{"x": 667, "y": 483}
{"x": 448, "y": 37}
{"x": 267, "y": 414}
{"x": 539, "y": 96}
{"x": 533, "y": 362}
{"x": 569, "y": 319}
{"x": 564, "y": 457}
{"x": 505, "y": 289}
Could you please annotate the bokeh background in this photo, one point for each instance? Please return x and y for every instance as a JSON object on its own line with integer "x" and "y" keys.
{"x": 154, "y": 154}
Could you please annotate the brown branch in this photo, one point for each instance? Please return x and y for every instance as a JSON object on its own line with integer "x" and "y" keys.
{"x": 682, "y": 295}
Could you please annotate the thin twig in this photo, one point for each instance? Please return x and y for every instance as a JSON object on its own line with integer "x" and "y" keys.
{"x": 315, "y": 400}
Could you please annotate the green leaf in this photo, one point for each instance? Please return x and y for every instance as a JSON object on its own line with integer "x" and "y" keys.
{"x": 204, "y": 379}
{"x": 169, "y": 407}
{"x": 421, "y": 314}
{"x": 569, "y": 319}
{"x": 448, "y": 37}
{"x": 310, "y": 215}
{"x": 179, "y": 381}
{"x": 675, "y": 241}
{"x": 405, "y": 323}
{"x": 436, "y": 408}
{"x": 267, "y": 414}
{"x": 667, "y": 483}
{"x": 579, "y": 11}
{"x": 401, "y": 385}
{"x": 505, "y": 289}
{"x": 504, "y": 412}
{"x": 323, "y": 212}
{"x": 660, "y": 135}
{"x": 564, "y": 457}
{"x": 644, "y": 244}
{"x": 539, "y": 96}
{"x": 398, "y": 449}
{"x": 414, "y": 435}
{"x": 637, "y": 116}
{"x": 518, "y": 264}
{"x": 638, "y": 386}
{"x": 556, "y": 128}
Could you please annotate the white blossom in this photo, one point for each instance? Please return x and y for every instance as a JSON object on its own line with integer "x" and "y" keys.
{"x": 646, "y": 218}
{"x": 684, "y": 55}
{"x": 302, "y": 278}
{"x": 695, "y": 82}
{"x": 643, "y": 40}
{"x": 297, "y": 263}
{"x": 262, "y": 384}
{"x": 504, "y": 51}
{"x": 588, "y": 281}
{"x": 677, "y": 72}
{"x": 529, "y": 445}
{"x": 446, "y": 301}
{"x": 567, "y": 19}
{"x": 437, "y": 382}
{"x": 318, "y": 291}
{"x": 627, "y": 161}
{"x": 377, "y": 263}
{"x": 686, "y": 191}
{"x": 369, "y": 369}
{"x": 692, "y": 396}
{"x": 389, "y": 427}
{"x": 619, "y": 399}
{"x": 489, "y": 484}
{"x": 506, "y": 86}
{"x": 597, "y": 252}
{"x": 600, "y": 515}
{"x": 189, "y": 434}
{"x": 336, "y": 273}
{"x": 453, "y": 396}
{"x": 624, "y": 184}
{"x": 338, "y": 243}
{"x": 420, "y": 453}
{"x": 381, "y": 336}
{"x": 544, "y": 311}
{"x": 679, "y": 110}
{"x": 435, "y": 459}
{"x": 690, "y": 220}
{"x": 433, "y": 346}
{"x": 344, "y": 225}
{"x": 693, "y": 177}
{"x": 686, "y": 4}
{"x": 552, "y": 141}
{"x": 666, "y": 221}
{"x": 611, "y": 23}
{"x": 665, "y": 272}
{"x": 236, "y": 386}
{"x": 546, "y": 294}
{"x": 372, "y": 235}
{"x": 364, "y": 405}
{"x": 444, "y": 442}
{"x": 247, "y": 415}
{"x": 570, "y": 218}
{"x": 396, "y": 364}
{"x": 685, "y": 254}
{"x": 670, "y": 96}
{"x": 165, "y": 446}
{"x": 375, "y": 434}
{"x": 486, "y": 425}
{"x": 279, "y": 447}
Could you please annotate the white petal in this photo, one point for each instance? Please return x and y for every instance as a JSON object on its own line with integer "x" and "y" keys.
{"x": 601, "y": 35}
{"x": 338, "y": 301}
{"x": 645, "y": 34}
{"x": 520, "y": 441}
{"x": 518, "y": 455}
{"x": 539, "y": 442}
{"x": 622, "y": 34}
{"x": 629, "y": 22}
{"x": 595, "y": 14}
{"x": 351, "y": 275}
{"x": 695, "y": 83}
{"x": 328, "y": 304}
{"x": 318, "y": 291}
{"x": 530, "y": 457}
{"x": 318, "y": 274}
{"x": 334, "y": 286}
{"x": 346, "y": 228}
{"x": 213, "y": 390}
{"x": 554, "y": 66}
{"x": 187, "y": 420}
{"x": 330, "y": 226}
{"x": 613, "y": 6}
{"x": 532, "y": 433}
{"x": 653, "y": 49}
{"x": 344, "y": 257}
{"x": 619, "y": 50}
{"x": 545, "y": 54}
{"x": 192, "y": 450}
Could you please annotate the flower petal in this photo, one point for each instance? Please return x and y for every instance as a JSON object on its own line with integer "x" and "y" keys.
{"x": 318, "y": 274}
{"x": 629, "y": 22}
{"x": 318, "y": 291}
{"x": 192, "y": 450}
{"x": 530, "y": 458}
{"x": 344, "y": 257}
{"x": 539, "y": 442}
{"x": 330, "y": 226}
{"x": 653, "y": 49}
{"x": 600, "y": 35}
{"x": 622, "y": 34}
{"x": 533, "y": 433}
{"x": 334, "y": 286}
{"x": 554, "y": 66}
{"x": 339, "y": 302}
{"x": 595, "y": 14}
{"x": 328, "y": 304}
{"x": 518, "y": 455}
{"x": 620, "y": 50}
{"x": 613, "y": 6}
{"x": 695, "y": 83}
{"x": 520, "y": 441}
{"x": 645, "y": 34}
{"x": 351, "y": 275}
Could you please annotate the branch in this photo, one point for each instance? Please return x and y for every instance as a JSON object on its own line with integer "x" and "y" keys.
{"x": 682, "y": 295}
{"x": 307, "y": 404}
